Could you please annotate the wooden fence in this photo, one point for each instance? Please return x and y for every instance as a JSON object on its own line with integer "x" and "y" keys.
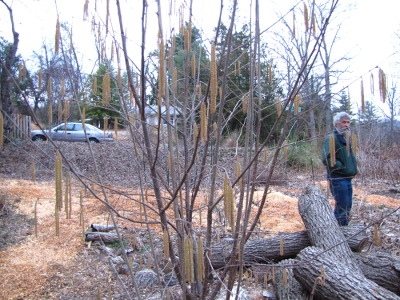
{"x": 21, "y": 127}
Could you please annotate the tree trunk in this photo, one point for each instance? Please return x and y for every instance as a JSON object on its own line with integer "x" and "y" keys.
{"x": 329, "y": 269}
{"x": 102, "y": 228}
{"x": 269, "y": 249}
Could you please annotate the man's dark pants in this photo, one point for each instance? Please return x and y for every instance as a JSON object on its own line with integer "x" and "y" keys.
{"x": 342, "y": 190}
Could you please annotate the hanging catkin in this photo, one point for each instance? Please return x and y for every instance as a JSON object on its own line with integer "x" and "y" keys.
{"x": 59, "y": 112}
{"x": 203, "y": 122}
{"x": 49, "y": 88}
{"x": 332, "y": 150}
{"x": 62, "y": 92}
{"x": 245, "y": 103}
{"x": 40, "y": 78}
{"x": 372, "y": 84}
{"x": 83, "y": 117}
{"x": 213, "y": 83}
{"x": 269, "y": 74}
{"x": 166, "y": 244}
{"x": 354, "y": 144}
{"x": 50, "y": 113}
{"x": 382, "y": 85}
{"x": 348, "y": 143}
{"x": 278, "y": 105}
{"x": 200, "y": 260}
{"x": 86, "y": 10}
{"x": 57, "y": 38}
{"x": 306, "y": 17}
{"x": 106, "y": 93}
{"x": 193, "y": 66}
{"x": 296, "y": 105}
{"x": 161, "y": 70}
{"x": 294, "y": 26}
{"x": 362, "y": 97}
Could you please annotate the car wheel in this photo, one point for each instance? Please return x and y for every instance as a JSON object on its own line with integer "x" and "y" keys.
{"x": 93, "y": 141}
{"x": 39, "y": 138}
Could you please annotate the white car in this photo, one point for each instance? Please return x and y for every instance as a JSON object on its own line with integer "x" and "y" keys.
{"x": 73, "y": 132}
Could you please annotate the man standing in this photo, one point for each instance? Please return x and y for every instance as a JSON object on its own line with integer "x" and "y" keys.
{"x": 341, "y": 165}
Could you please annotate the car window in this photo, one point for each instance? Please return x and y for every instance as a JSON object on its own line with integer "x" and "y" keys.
{"x": 78, "y": 127}
{"x": 70, "y": 127}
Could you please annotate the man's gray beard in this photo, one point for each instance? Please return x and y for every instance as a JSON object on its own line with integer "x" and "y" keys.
{"x": 343, "y": 130}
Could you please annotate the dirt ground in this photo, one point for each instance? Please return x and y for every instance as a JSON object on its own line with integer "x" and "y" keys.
{"x": 37, "y": 264}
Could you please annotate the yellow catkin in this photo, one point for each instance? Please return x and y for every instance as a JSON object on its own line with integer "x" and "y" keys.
{"x": 193, "y": 66}
{"x": 332, "y": 150}
{"x": 20, "y": 72}
{"x": 273, "y": 274}
{"x": 50, "y": 113}
{"x": 49, "y": 88}
{"x": 166, "y": 244}
{"x": 161, "y": 70}
{"x": 362, "y": 97}
{"x": 354, "y": 143}
{"x": 62, "y": 91}
{"x": 40, "y": 78}
{"x": 106, "y": 93}
{"x": 200, "y": 260}
{"x": 306, "y": 24}
{"x": 59, "y": 111}
{"x": 188, "y": 254}
{"x": 105, "y": 123}
{"x": 284, "y": 277}
{"x": 278, "y": 105}
{"x": 57, "y": 38}
{"x": 377, "y": 239}
{"x": 116, "y": 127}
{"x": 58, "y": 181}
{"x": 33, "y": 171}
{"x": 83, "y": 117}
{"x": 382, "y": 85}
{"x": 296, "y": 105}
{"x": 285, "y": 150}
{"x": 269, "y": 74}
{"x": 1, "y": 130}
{"x": 169, "y": 161}
{"x": 195, "y": 133}
{"x": 174, "y": 81}
{"x": 94, "y": 86}
{"x": 203, "y": 122}
{"x": 66, "y": 111}
{"x": 245, "y": 103}
{"x": 229, "y": 202}
{"x": 348, "y": 142}
{"x": 213, "y": 82}
{"x": 281, "y": 246}
{"x": 239, "y": 67}
{"x": 119, "y": 78}
{"x": 66, "y": 195}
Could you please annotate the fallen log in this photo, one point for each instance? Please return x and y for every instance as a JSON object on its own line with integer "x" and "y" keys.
{"x": 328, "y": 269}
{"x": 102, "y": 228}
{"x": 106, "y": 237}
{"x": 269, "y": 249}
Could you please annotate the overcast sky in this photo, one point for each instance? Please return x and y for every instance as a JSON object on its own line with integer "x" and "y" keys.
{"x": 368, "y": 26}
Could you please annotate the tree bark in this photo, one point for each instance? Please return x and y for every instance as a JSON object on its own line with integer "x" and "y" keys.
{"x": 106, "y": 237}
{"x": 269, "y": 249}
{"x": 102, "y": 228}
{"x": 328, "y": 269}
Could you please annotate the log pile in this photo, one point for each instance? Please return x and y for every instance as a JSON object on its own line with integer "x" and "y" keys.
{"x": 324, "y": 261}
